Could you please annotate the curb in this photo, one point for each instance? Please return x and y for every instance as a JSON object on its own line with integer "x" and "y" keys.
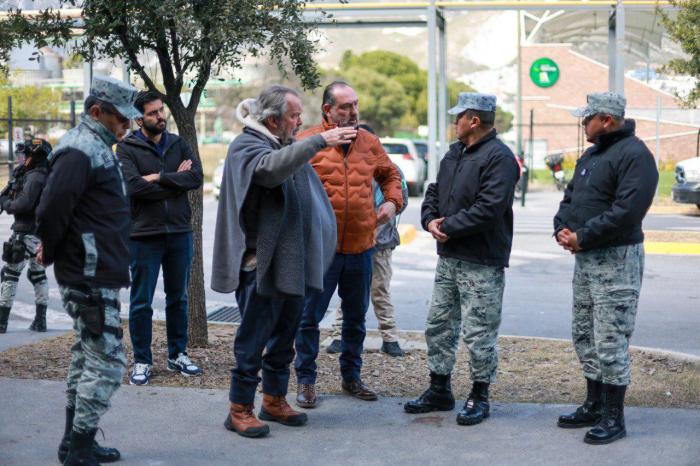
{"x": 659, "y": 247}
{"x": 687, "y": 357}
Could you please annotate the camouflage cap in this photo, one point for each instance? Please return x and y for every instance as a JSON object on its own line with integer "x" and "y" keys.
{"x": 602, "y": 102}
{"x": 474, "y": 101}
{"x": 117, "y": 93}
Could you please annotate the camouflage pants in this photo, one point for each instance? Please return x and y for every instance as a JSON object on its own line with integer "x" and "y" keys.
{"x": 381, "y": 298}
{"x": 606, "y": 292}
{"x": 467, "y": 297}
{"x": 97, "y": 363}
{"x": 36, "y": 274}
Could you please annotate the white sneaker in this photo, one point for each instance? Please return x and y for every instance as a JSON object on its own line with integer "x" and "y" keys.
{"x": 140, "y": 374}
{"x": 184, "y": 365}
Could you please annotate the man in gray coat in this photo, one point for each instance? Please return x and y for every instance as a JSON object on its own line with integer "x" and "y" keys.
{"x": 275, "y": 238}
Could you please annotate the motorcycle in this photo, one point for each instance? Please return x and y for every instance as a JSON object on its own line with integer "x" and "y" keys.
{"x": 555, "y": 164}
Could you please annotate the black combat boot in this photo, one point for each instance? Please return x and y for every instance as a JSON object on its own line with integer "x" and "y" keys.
{"x": 80, "y": 451}
{"x": 589, "y": 413}
{"x": 612, "y": 424}
{"x": 477, "y": 408}
{"x": 39, "y": 323}
{"x": 101, "y": 454}
{"x": 436, "y": 398}
{"x": 4, "y": 315}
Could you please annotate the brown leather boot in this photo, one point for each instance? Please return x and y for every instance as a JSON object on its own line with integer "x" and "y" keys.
{"x": 276, "y": 408}
{"x": 306, "y": 395}
{"x": 241, "y": 420}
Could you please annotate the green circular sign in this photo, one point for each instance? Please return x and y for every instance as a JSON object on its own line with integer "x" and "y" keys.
{"x": 544, "y": 72}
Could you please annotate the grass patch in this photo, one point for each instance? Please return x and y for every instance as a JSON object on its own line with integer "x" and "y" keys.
{"x": 667, "y": 178}
{"x": 530, "y": 370}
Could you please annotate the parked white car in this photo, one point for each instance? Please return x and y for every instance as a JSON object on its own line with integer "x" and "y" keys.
{"x": 405, "y": 154}
{"x": 687, "y": 187}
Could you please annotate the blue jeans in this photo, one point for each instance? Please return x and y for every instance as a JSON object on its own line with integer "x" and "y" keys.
{"x": 352, "y": 275}
{"x": 174, "y": 253}
{"x": 267, "y": 324}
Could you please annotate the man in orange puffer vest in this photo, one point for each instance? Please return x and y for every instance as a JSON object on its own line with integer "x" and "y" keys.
{"x": 346, "y": 173}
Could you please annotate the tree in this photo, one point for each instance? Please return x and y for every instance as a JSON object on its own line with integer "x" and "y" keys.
{"x": 504, "y": 120}
{"x": 28, "y": 102}
{"x": 685, "y": 29}
{"x": 414, "y": 81}
{"x": 382, "y": 99}
{"x": 191, "y": 41}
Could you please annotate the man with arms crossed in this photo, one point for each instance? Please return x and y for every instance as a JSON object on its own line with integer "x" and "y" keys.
{"x": 159, "y": 169}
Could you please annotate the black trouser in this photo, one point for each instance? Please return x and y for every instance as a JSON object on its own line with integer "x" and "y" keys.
{"x": 268, "y": 324}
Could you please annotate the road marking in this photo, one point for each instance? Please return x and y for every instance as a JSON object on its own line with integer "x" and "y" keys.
{"x": 407, "y": 233}
{"x": 658, "y": 247}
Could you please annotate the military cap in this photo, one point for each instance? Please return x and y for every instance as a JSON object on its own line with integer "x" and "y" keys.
{"x": 474, "y": 101}
{"x": 117, "y": 93}
{"x": 602, "y": 102}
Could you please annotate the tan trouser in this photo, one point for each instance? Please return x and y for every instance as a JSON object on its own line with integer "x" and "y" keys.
{"x": 381, "y": 298}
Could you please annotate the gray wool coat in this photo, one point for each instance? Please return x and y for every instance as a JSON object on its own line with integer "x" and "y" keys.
{"x": 256, "y": 157}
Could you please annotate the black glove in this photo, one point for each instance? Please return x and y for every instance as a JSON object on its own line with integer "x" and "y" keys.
{"x": 5, "y": 203}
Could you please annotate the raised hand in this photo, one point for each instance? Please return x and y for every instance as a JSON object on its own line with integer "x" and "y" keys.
{"x": 341, "y": 135}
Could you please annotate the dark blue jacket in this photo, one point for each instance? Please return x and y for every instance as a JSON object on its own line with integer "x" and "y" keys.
{"x": 612, "y": 188}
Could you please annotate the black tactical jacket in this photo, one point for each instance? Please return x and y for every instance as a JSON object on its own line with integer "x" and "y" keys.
{"x": 83, "y": 215}
{"x": 612, "y": 188}
{"x": 474, "y": 192}
{"x": 26, "y": 199}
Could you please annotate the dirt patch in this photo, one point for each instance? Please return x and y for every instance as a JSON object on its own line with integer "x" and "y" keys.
{"x": 672, "y": 236}
{"x": 540, "y": 371}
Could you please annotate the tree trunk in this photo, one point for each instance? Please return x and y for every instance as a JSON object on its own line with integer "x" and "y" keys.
{"x": 197, "y": 329}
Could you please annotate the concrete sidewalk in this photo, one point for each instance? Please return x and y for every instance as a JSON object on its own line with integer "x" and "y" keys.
{"x": 170, "y": 426}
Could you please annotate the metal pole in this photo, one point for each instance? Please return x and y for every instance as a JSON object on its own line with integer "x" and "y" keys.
{"x": 442, "y": 89}
{"x": 519, "y": 111}
{"x": 432, "y": 96}
{"x": 10, "y": 142}
{"x": 658, "y": 138}
{"x": 87, "y": 78}
{"x": 620, "y": 48}
{"x": 616, "y": 49}
{"x": 531, "y": 142}
{"x": 657, "y": 155}
{"x": 72, "y": 113}
{"x": 612, "y": 43}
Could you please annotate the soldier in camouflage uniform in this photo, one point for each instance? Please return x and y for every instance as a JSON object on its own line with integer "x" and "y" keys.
{"x": 469, "y": 212}
{"x": 20, "y": 198}
{"x": 83, "y": 222}
{"x": 600, "y": 221}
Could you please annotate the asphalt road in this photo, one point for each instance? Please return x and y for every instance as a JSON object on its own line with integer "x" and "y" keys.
{"x": 537, "y": 299}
